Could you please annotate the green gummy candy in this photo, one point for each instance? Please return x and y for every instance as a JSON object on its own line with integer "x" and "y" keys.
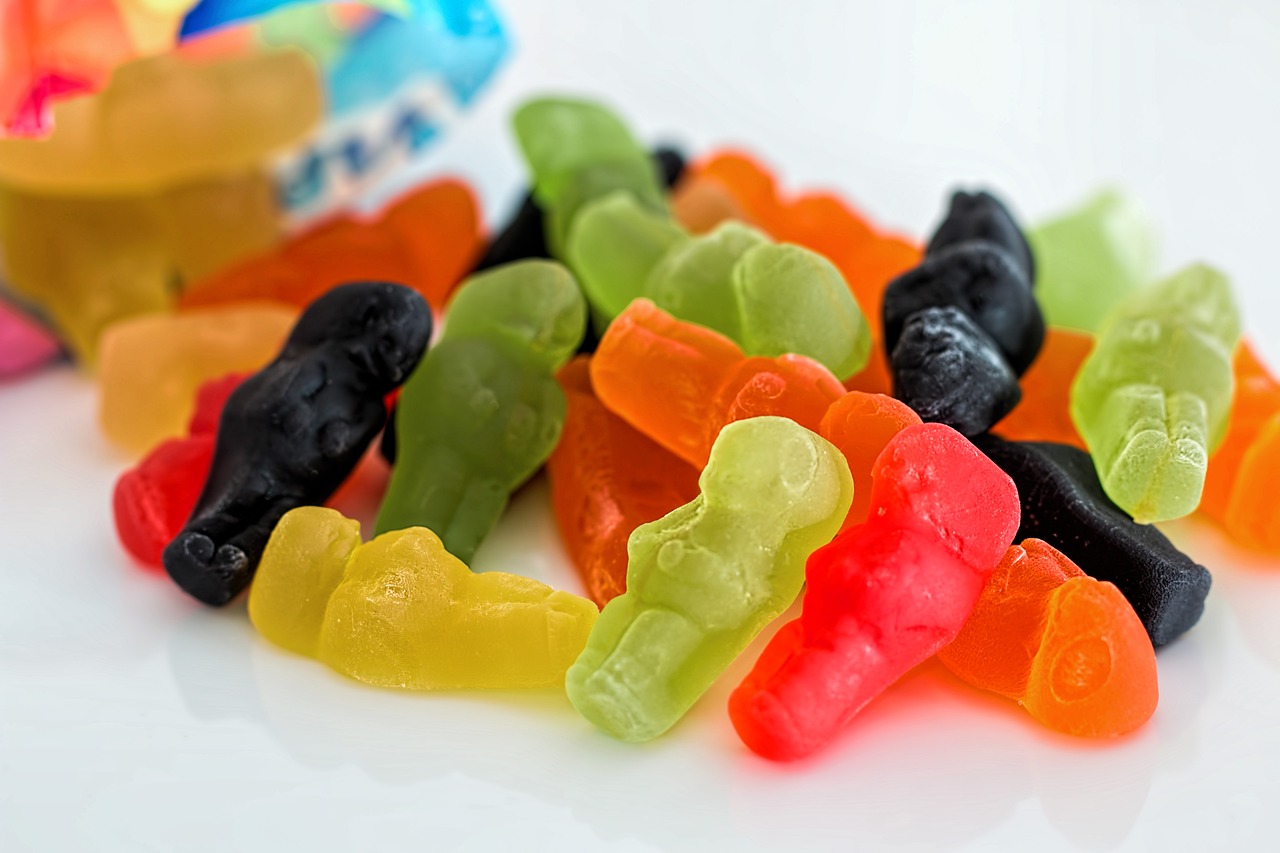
{"x": 705, "y": 579}
{"x": 483, "y": 410}
{"x": 1088, "y": 260}
{"x": 614, "y": 244}
{"x": 578, "y": 151}
{"x": 794, "y": 300}
{"x": 1151, "y": 401}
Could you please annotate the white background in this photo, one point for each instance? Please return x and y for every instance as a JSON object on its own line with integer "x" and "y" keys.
{"x": 131, "y": 718}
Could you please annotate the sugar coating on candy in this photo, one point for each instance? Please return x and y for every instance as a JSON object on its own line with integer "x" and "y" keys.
{"x": 770, "y": 299}
{"x": 401, "y": 611}
{"x": 153, "y": 499}
{"x": 884, "y": 595}
{"x": 983, "y": 281}
{"x": 860, "y": 425}
{"x": 1064, "y": 504}
{"x": 705, "y": 579}
{"x": 578, "y": 151}
{"x": 24, "y": 344}
{"x": 150, "y": 367}
{"x": 291, "y": 433}
{"x": 483, "y": 411}
{"x": 1151, "y": 401}
{"x": 1238, "y": 489}
{"x": 982, "y": 216}
{"x": 606, "y": 480}
{"x": 1066, "y": 647}
{"x": 167, "y": 120}
{"x": 679, "y": 383}
{"x": 426, "y": 240}
{"x": 950, "y": 371}
{"x": 91, "y": 261}
{"x": 1044, "y": 414}
{"x": 1091, "y": 258}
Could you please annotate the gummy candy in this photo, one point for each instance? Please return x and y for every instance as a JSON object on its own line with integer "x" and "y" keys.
{"x": 170, "y": 120}
{"x": 578, "y": 151}
{"x": 151, "y": 366}
{"x": 24, "y": 344}
{"x": 769, "y": 298}
{"x": 1151, "y": 400}
{"x": 93, "y": 260}
{"x": 1092, "y": 258}
{"x": 705, "y": 579}
{"x": 1064, "y": 504}
{"x": 700, "y": 204}
{"x": 153, "y": 499}
{"x": 982, "y": 216}
{"x": 425, "y": 240}
{"x": 1066, "y": 647}
{"x": 860, "y": 425}
{"x": 401, "y": 611}
{"x": 646, "y": 348}
{"x": 983, "y": 281}
{"x": 1045, "y": 411}
{"x": 950, "y": 371}
{"x": 483, "y": 411}
{"x": 606, "y": 480}
{"x": 1238, "y": 489}
{"x": 884, "y": 596}
{"x": 291, "y": 433}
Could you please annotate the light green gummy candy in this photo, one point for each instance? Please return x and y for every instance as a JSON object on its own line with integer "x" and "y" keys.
{"x": 1151, "y": 401}
{"x": 1088, "y": 260}
{"x": 705, "y": 579}
{"x": 578, "y": 151}
{"x": 483, "y": 410}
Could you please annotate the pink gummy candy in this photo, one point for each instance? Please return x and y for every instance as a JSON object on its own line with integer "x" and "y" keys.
{"x": 23, "y": 344}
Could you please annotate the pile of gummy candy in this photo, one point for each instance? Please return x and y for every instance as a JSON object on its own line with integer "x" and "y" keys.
{"x": 737, "y": 393}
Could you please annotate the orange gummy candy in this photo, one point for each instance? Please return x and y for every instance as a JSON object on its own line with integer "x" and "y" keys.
{"x": 1239, "y": 492}
{"x": 1067, "y": 647}
{"x": 860, "y": 425}
{"x": 606, "y": 480}
{"x": 151, "y": 366}
{"x": 1045, "y": 411}
{"x": 700, "y": 204}
{"x": 680, "y": 384}
{"x": 426, "y": 240}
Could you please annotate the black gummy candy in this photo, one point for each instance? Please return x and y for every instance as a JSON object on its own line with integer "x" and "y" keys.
{"x": 982, "y": 216}
{"x": 1063, "y": 503}
{"x": 291, "y": 433}
{"x": 951, "y": 372}
{"x": 983, "y": 281}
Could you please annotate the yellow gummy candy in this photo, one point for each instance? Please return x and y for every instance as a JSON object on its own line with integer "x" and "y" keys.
{"x": 401, "y": 611}
{"x": 167, "y": 120}
{"x": 150, "y": 367}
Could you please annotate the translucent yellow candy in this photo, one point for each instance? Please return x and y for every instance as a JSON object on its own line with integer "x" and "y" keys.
{"x": 401, "y": 611}
{"x": 167, "y": 120}
{"x": 151, "y": 366}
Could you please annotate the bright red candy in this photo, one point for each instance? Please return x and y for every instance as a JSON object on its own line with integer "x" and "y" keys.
{"x": 883, "y": 596}
{"x": 153, "y": 499}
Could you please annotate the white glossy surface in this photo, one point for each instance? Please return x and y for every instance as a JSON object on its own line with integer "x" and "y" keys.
{"x": 131, "y": 718}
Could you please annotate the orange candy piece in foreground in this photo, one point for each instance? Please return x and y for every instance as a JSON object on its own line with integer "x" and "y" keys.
{"x": 1067, "y": 647}
{"x": 680, "y": 384}
{"x": 1045, "y": 411}
{"x": 1239, "y": 488}
{"x": 606, "y": 480}
{"x": 426, "y": 240}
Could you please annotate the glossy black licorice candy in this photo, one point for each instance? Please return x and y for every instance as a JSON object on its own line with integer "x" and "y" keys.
{"x": 982, "y": 216}
{"x": 982, "y": 280}
{"x": 950, "y": 372}
{"x": 291, "y": 433}
{"x": 1063, "y": 503}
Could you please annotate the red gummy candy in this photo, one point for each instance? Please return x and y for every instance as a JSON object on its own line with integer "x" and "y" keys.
{"x": 883, "y": 596}
{"x": 860, "y": 425}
